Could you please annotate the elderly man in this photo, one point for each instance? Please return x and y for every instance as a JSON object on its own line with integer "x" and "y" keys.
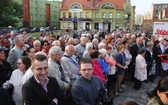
{"x": 69, "y": 63}
{"x": 40, "y": 89}
{"x": 55, "y": 67}
{"x": 81, "y": 46}
{"x": 16, "y": 52}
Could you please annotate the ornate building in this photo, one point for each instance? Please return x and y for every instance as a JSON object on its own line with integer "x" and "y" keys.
{"x": 95, "y": 14}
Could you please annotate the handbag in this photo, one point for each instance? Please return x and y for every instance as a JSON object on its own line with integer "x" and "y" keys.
{"x": 112, "y": 70}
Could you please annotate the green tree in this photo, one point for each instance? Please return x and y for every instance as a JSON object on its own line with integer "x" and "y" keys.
{"x": 10, "y": 13}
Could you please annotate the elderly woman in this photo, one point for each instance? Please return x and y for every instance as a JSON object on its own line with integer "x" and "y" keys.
{"x": 16, "y": 79}
{"x": 140, "y": 69}
{"x": 159, "y": 96}
{"x": 102, "y": 61}
{"x": 89, "y": 47}
{"x": 56, "y": 43}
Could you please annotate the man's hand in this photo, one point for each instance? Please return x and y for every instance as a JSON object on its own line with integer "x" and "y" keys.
{"x": 55, "y": 100}
{"x": 68, "y": 86}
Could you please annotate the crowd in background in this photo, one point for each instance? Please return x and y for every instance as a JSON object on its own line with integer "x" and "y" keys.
{"x": 115, "y": 55}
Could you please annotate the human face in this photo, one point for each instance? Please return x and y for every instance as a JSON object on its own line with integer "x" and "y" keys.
{"x": 31, "y": 53}
{"x": 122, "y": 50}
{"x": 71, "y": 51}
{"x": 20, "y": 65}
{"x": 2, "y": 55}
{"x": 58, "y": 56}
{"x": 22, "y": 42}
{"x": 86, "y": 70}
{"x": 163, "y": 96}
{"x": 40, "y": 70}
{"x": 37, "y": 47}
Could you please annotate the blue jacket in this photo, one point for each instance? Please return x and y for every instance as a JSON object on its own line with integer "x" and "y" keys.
{"x": 104, "y": 65}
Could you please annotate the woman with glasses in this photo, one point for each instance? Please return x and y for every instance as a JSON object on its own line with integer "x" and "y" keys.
{"x": 159, "y": 96}
{"x": 16, "y": 79}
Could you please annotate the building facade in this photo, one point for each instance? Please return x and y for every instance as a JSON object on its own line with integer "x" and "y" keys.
{"x": 95, "y": 14}
{"x": 37, "y": 13}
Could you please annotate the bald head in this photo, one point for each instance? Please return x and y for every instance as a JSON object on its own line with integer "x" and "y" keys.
{"x": 69, "y": 50}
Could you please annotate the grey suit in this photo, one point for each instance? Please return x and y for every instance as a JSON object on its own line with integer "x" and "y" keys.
{"x": 69, "y": 66}
{"x": 54, "y": 71}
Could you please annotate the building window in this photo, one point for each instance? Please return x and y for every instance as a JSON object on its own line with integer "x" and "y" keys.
{"x": 81, "y": 25}
{"x": 118, "y": 15}
{"x": 75, "y": 14}
{"x": 69, "y": 14}
{"x": 64, "y": 25}
{"x": 103, "y": 15}
{"x": 110, "y": 15}
{"x": 81, "y": 14}
{"x": 96, "y": 15}
{"x": 75, "y": 6}
{"x": 69, "y": 24}
{"x": 108, "y": 6}
{"x": 64, "y": 14}
{"x": 87, "y": 14}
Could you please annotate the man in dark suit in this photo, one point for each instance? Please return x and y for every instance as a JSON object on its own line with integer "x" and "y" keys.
{"x": 134, "y": 53}
{"x": 40, "y": 89}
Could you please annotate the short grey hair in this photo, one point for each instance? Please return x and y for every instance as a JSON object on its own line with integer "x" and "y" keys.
{"x": 89, "y": 45}
{"x": 101, "y": 45}
{"x": 67, "y": 48}
{"x": 54, "y": 50}
{"x": 94, "y": 40}
{"x": 18, "y": 38}
{"x": 102, "y": 53}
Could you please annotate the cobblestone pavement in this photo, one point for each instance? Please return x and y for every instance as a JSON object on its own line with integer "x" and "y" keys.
{"x": 139, "y": 96}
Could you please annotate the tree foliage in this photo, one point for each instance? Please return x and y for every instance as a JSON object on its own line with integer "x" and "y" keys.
{"x": 10, "y": 13}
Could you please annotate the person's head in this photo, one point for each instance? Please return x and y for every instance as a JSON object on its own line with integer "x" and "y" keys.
{"x": 101, "y": 45}
{"x": 24, "y": 63}
{"x": 55, "y": 53}
{"x": 103, "y": 53}
{"x": 142, "y": 51}
{"x": 2, "y": 53}
{"x": 45, "y": 45}
{"x": 40, "y": 67}
{"x": 156, "y": 43}
{"x": 83, "y": 41}
{"x": 30, "y": 39}
{"x": 89, "y": 46}
{"x": 94, "y": 54}
{"x": 19, "y": 41}
{"x": 56, "y": 43}
{"x": 161, "y": 91}
{"x": 95, "y": 42}
{"x": 69, "y": 50}
{"x": 37, "y": 45}
{"x": 150, "y": 45}
{"x": 121, "y": 48}
{"x": 30, "y": 51}
{"x": 129, "y": 103}
{"x": 161, "y": 40}
{"x": 138, "y": 40}
{"x": 108, "y": 48}
{"x": 126, "y": 43}
{"x": 12, "y": 34}
{"x": 86, "y": 68}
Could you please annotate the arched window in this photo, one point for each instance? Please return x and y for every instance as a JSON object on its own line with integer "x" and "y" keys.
{"x": 76, "y": 6}
{"x": 108, "y": 6}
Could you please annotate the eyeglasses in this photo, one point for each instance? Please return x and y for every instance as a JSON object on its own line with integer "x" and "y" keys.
{"x": 45, "y": 68}
{"x": 89, "y": 69}
{"x": 45, "y": 44}
{"x": 166, "y": 95}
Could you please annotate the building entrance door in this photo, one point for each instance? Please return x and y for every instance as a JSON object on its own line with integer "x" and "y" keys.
{"x": 75, "y": 25}
{"x": 96, "y": 26}
{"x": 87, "y": 26}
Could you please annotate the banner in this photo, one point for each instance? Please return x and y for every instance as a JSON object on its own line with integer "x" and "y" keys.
{"x": 160, "y": 28}
{"x": 75, "y": 10}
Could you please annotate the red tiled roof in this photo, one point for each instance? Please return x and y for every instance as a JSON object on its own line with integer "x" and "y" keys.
{"x": 92, "y": 3}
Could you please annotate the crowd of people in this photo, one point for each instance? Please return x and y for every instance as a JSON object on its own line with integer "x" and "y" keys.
{"x": 84, "y": 68}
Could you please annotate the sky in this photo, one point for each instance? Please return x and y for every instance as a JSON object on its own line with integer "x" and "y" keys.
{"x": 144, "y": 6}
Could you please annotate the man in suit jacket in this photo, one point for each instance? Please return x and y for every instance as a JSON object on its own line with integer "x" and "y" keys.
{"x": 134, "y": 53}
{"x": 40, "y": 89}
{"x": 69, "y": 63}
